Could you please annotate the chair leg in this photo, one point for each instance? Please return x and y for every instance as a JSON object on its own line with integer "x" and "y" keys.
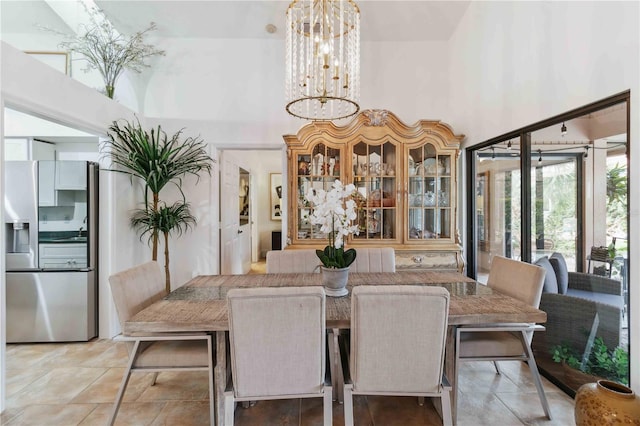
{"x": 334, "y": 363}
{"x": 536, "y": 376}
{"x": 456, "y": 383}
{"x": 155, "y": 377}
{"x": 212, "y": 401}
{"x": 327, "y": 405}
{"x": 123, "y": 384}
{"x": 495, "y": 364}
{"x": 348, "y": 405}
{"x": 421, "y": 401}
{"x": 229, "y": 408}
{"x": 445, "y": 400}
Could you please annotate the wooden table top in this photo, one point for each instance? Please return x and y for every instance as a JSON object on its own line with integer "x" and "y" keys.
{"x": 200, "y": 305}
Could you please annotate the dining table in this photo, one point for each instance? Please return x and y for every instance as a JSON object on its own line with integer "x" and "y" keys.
{"x": 200, "y": 306}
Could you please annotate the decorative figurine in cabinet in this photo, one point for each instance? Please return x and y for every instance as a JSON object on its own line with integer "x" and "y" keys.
{"x": 406, "y": 181}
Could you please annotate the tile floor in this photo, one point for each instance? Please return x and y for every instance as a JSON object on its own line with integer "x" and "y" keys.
{"x": 76, "y": 383}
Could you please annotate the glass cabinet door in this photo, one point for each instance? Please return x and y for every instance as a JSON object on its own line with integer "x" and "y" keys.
{"x": 428, "y": 194}
{"x": 374, "y": 175}
{"x": 318, "y": 170}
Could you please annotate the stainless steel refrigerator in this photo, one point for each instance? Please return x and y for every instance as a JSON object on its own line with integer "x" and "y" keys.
{"x": 51, "y": 240}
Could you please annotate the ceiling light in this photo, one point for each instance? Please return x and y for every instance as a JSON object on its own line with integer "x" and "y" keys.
{"x": 563, "y": 129}
{"x": 493, "y": 153}
{"x": 509, "y": 145}
{"x": 539, "y": 156}
{"x": 323, "y": 59}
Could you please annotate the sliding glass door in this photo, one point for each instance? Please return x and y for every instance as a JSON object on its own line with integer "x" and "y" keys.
{"x": 556, "y": 192}
{"x": 555, "y": 206}
{"x": 497, "y": 206}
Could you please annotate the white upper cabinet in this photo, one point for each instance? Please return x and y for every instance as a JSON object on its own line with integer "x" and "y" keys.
{"x": 71, "y": 175}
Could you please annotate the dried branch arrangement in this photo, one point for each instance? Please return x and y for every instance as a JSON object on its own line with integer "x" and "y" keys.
{"x": 108, "y": 51}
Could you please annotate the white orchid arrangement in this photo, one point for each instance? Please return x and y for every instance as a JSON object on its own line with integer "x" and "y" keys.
{"x": 334, "y": 211}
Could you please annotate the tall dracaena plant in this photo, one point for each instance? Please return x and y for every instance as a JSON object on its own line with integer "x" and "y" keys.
{"x": 176, "y": 218}
{"x": 156, "y": 158}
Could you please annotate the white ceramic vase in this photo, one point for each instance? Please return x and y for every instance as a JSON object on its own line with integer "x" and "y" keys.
{"x": 335, "y": 280}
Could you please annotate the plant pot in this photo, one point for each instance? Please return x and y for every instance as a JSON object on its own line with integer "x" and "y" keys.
{"x": 606, "y": 403}
{"x": 335, "y": 280}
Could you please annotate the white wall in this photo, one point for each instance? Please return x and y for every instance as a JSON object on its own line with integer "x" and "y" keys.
{"x": 515, "y": 63}
{"x": 235, "y": 88}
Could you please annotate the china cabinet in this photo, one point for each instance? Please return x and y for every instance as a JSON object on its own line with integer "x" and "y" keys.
{"x": 406, "y": 180}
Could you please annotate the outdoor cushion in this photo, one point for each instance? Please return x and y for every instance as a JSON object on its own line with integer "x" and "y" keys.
{"x": 562, "y": 273}
{"x": 550, "y": 281}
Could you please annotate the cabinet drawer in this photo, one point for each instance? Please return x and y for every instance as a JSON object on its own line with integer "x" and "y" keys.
{"x": 63, "y": 250}
{"x": 419, "y": 259}
{"x": 64, "y": 263}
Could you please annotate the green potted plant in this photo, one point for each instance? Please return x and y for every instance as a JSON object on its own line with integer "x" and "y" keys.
{"x": 158, "y": 160}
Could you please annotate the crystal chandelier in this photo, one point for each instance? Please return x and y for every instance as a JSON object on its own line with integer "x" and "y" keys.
{"x": 323, "y": 59}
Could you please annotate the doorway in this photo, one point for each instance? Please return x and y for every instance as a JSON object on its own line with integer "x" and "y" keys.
{"x": 261, "y": 165}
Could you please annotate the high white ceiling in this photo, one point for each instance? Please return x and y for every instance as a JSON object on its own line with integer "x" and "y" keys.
{"x": 390, "y": 20}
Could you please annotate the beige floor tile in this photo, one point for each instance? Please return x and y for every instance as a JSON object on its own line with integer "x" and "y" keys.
{"x": 520, "y": 374}
{"x": 130, "y": 413}
{"x": 59, "y": 386}
{"x": 52, "y": 414}
{"x": 477, "y": 377}
{"x": 527, "y": 407}
{"x": 181, "y": 385}
{"x": 18, "y": 379}
{"x": 9, "y": 413}
{"x": 107, "y": 354}
{"x": 81, "y": 353}
{"x": 184, "y": 413}
{"x": 484, "y": 409}
{"x": 26, "y": 356}
{"x": 105, "y": 388}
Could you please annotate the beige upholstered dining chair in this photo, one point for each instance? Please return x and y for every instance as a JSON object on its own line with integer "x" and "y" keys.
{"x": 398, "y": 335}
{"x": 278, "y": 346}
{"x": 506, "y": 342}
{"x": 373, "y": 259}
{"x": 292, "y": 261}
{"x": 133, "y": 290}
